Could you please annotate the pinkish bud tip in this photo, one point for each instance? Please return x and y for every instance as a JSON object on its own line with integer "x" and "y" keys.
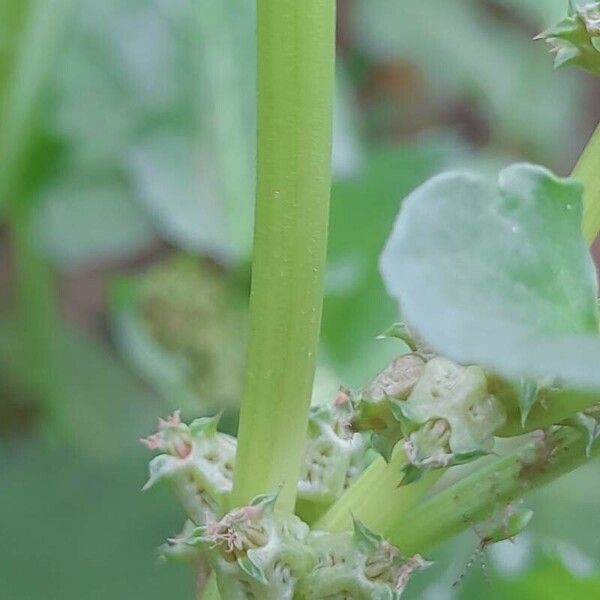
{"x": 342, "y": 397}
{"x": 171, "y": 421}
{"x": 152, "y": 442}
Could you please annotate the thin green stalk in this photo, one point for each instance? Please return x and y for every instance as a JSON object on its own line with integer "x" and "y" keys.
{"x": 490, "y": 488}
{"x": 37, "y": 48}
{"x": 37, "y": 314}
{"x": 587, "y": 170}
{"x": 376, "y": 497}
{"x": 295, "y": 97}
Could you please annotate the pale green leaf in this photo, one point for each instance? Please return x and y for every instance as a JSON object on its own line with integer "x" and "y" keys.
{"x": 498, "y": 274}
{"x": 82, "y": 221}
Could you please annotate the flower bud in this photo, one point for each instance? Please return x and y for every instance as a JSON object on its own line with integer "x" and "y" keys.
{"x": 198, "y": 461}
{"x": 397, "y": 380}
{"x": 458, "y": 395}
{"x": 256, "y": 551}
{"x": 576, "y": 39}
{"x": 334, "y": 454}
{"x": 362, "y": 566}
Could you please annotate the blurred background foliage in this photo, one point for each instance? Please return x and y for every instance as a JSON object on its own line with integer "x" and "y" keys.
{"x": 126, "y": 191}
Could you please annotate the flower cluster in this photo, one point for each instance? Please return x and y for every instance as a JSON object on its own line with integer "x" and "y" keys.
{"x": 256, "y": 551}
{"x": 359, "y": 565}
{"x": 334, "y": 455}
{"x": 576, "y": 39}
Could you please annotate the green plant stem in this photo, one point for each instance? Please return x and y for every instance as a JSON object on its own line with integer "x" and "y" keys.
{"x": 35, "y": 54}
{"x": 478, "y": 496}
{"x": 557, "y": 406}
{"x": 376, "y": 497}
{"x": 211, "y": 591}
{"x": 43, "y": 25}
{"x": 295, "y": 97}
{"x": 587, "y": 170}
{"x": 37, "y": 315}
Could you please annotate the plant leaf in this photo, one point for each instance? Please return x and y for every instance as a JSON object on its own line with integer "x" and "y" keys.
{"x": 527, "y": 395}
{"x": 82, "y": 220}
{"x": 589, "y": 426}
{"x": 399, "y": 331}
{"x": 364, "y": 536}
{"x": 252, "y": 570}
{"x": 499, "y": 275}
{"x": 411, "y": 473}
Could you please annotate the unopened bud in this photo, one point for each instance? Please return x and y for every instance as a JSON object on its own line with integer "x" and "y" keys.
{"x": 397, "y": 380}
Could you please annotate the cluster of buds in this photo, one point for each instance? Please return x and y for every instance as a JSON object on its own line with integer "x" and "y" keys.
{"x": 334, "y": 455}
{"x": 443, "y": 411}
{"x": 576, "y": 39}
{"x": 197, "y": 460}
{"x": 376, "y": 412}
{"x": 237, "y": 532}
{"x": 449, "y": 418}
{"x": 257, "y": 552}
{"x": 361, "y": 565}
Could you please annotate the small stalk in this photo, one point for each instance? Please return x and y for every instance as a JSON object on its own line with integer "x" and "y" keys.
{"x": 478, "y": 496}
{"x": 376, "y": 498}
{"x": 295, "y": 98}
{"x": 558, "y": 406}
{"x": 36, "y": 299}
{"x": 587, "y": 170}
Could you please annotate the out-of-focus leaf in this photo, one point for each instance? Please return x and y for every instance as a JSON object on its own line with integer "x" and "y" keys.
{"x": 462, "y": 51}
{"x": 566, "y": 510}
{"x": 163, "y": 95}
{"x": 82, "y": 221}
{"x": 227, "y": 66}
{"x": 106, "y": 409}
{"x": 541, "y": 12}
{"x": 167, "y": 373}
{"x": 177, "y": 185}
{"x": 498, "y": 274}
{"x": 76, "y": 528}
{"x": 197, "y": 368}
{"x": 12, "y": 14}
{"x": 31, "y": 54}
{"x": 356, "y": 306}
{"x": 551, "y": 580}
{"x": 347, "y": 155}
{"x": 125, "y": 65}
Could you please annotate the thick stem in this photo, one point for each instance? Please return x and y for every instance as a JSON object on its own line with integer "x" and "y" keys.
{"x": 492, "y": 487}
{"x": 587, "y": 170}
{"x": 295, "y": 97}
{"x": 376, "y": 498}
